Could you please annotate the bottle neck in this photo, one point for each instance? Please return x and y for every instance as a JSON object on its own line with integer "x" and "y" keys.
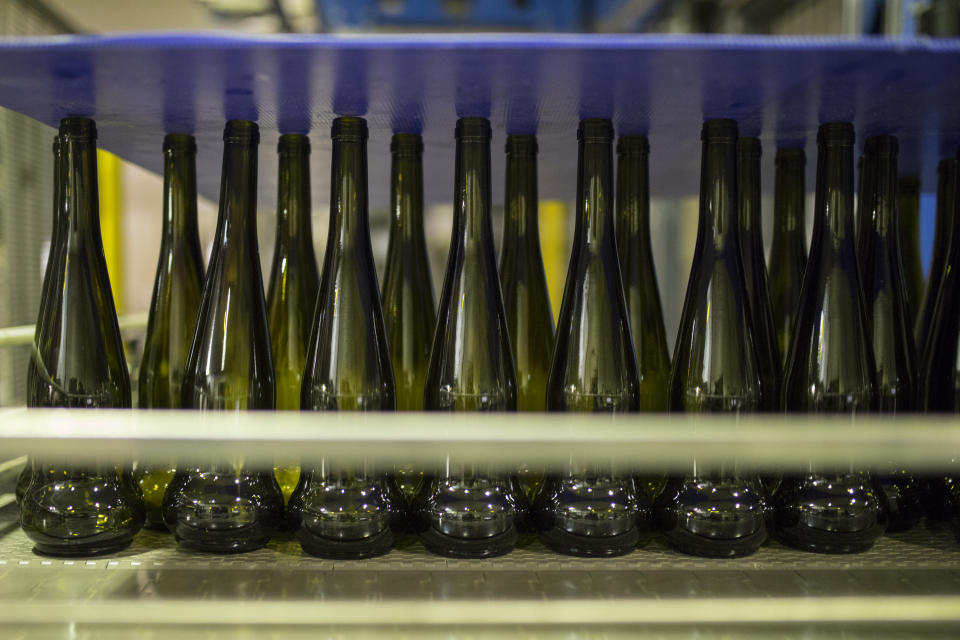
{"x": 80, "y": 206}
{"x": 633, "y": 195}
{"x": 348, "y": 192}
{"x": 521, "y": 197}
{"x": 472, "y": 193}
{"x": 748, "y": 189}
{"x": 789, "y": 192}
{"x": 179, "y": 195}
{"x": 882, "y": 203}
{"x": 594, "y": 192}
{"x": 406, "y": 194}
{"x": 948, "y": 208}
{"x": 293, "y": 198}
{"x": 834, "y": 213}
{"x": 718, "y": 192}
{"x": 238, "y": 193}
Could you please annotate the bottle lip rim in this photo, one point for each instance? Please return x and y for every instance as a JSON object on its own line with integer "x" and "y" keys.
{"x": 634, "y": 144}
{"x": 719, "y": 130}
{"x": 944, "y": 163}
{"x": 179, "y": 142}
{"x": 241, "y": 131}
{"x": 841, "y": 133}
{"x": 881, "y": 145}
{"x": 402, "y": 143}
{"x": 349, "y": 128}
{"x": 293, "y": 143}
{"x": 750, "y": 146}
{"x": 78, "y": 127}
{"x": 521, "y": 144}
{"x": 790, "y": 153}
{"x": 473, "y": 128}
{"x": 595, "y": 130}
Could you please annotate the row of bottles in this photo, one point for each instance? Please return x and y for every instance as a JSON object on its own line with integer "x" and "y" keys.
{"x": 489, "y": 348}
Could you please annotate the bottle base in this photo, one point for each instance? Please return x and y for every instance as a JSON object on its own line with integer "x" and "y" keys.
{"x": 221, "y": 542}
{"x": 452, "y": 547}
{"x": 590, "y": 546}
{"x": 696, "y": 545}
{"x": 830, "y": 542}
{"x": 375, "y": 545}
{"x": 99, "y": 548}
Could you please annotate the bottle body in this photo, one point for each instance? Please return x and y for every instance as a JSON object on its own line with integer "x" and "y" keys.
{"x": 947, "y": 210}
{"x": 468, "y": 510}
{"x": 583, "y": 510}
{"x": 717, "y": 512}
{"x": 831, "y": 367}
{"x": 177, "y": 289}
{"x": 78, "y": 362}
{"x": 229, "y": 368}
{"x": 347, "y": 512}
{"x": 908, "y": 209}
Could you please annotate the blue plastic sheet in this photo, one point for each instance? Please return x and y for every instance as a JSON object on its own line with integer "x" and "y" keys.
{"x": 140, "y": 86}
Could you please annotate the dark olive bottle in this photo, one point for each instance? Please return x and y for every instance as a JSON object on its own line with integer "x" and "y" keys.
{"x": 890, "y": 330}
{"x": 49, "y": 279}
{"x": 468, "y": 510}
{"x": 229, "y": 368}
{"x": 716, "y": 511}
{"x": 866, "y": 183}
{"x": 526, "y": 300}
{"x": 294, "y": 282}
{"x": 788, "y": 251}
{"x": 943, "y": 231}
{"x": 908, "y": 201}
{"x": 78, "y": 362}
{"x": 340, "y": 511}
{"x": 177, "y": 289}
{"x": 755, "y": 270}
{"x": 639, "y": 274}
{"x": 830, "y": 368}
{"x": 590, "y": 510}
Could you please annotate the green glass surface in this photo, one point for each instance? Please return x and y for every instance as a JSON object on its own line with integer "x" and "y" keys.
{"x": 336, "y": 511}
{"x": 831, "y": 368}
{"x": 584, "y": 510}
{"x": 943, "y": 230}
{"x": 788, "y": 251}
{"x": 866, "y": 183}
{"x": 294, "y": 283}
{"x": 639, "y": 274}
{"x": 716, "y": 512}
{"x": 908, "y": 201}
{"x": 755, "y": 270}
{"x": 78, "y": 362}
{"x": 409, "y": 308}
{"x": 467, "y": 510}
{"x": 229, "y": 368}
{"x": 526, "y": 300}
{"x": 177, "y": 289}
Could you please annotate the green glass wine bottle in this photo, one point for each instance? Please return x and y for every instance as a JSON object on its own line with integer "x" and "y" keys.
{"x": 49, "y": 279}
{"x": 468, "y": 510}
{"x": 866, "y": 183}
{"x": 589, "y": 510}
{"x": 229, "y": 368}
{"x": 943, "y": 231}
{"x": 908, "y": 205}
{"x": 890, "y": 330}
{"x": 409, "y": 307}
{"x": 78, "y": 362}
{"x": 342, "y": 511}
{"x": 755, "y": 270}
{"x": 716, "y": 511}
{"x": 294, "y": 282}
{"x": 830, "y": 368}
{"x": 173, "y": 307}
{"x": 788, "y": 252}
{"x": 639, "y": 274}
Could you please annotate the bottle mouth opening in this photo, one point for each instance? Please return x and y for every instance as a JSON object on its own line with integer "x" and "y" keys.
{"x": 835, "y": 133}
{"x": 633, "y": 145}
{"x": 406, "y": 144}
{"x": 749, "y": 147}
{"x": 719, "y": 130}
{"x": 179, "y": 142}
{"x": 885, "y": 145}
{"x": 521, "y": 144}
{"x": 595, "y": 130}
{"x": 241, "y": 131}
{"x": 293, "y": 143}
{"x": 351, "y": 128}
{"x": 78, "y": 127}
{"x": 473, "y": 128}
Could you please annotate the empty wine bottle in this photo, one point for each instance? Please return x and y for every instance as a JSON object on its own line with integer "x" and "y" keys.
{"x": 716, "y": 511}
{"x": 342, "y": 511}
{"x": 830, "y": 368}
{"x": 788, "y": 252}
{"x": 943, "y": 231}
{"x": 755, "y": 270}
{"x": 49, "y": 279}
{"x": 588, "y": 510}
{"x": 468, "y": 510}
{"x": 225, "y": 506}
{"x": 78, "y": 362}
{"x": 173, "y": 307}
{"x": 890, "y": 330}
{"x": 908, "y": 205}
{"x": 293, "y": 284}
{"x": 639, "y": 274}
{"x": 866, "y": 183}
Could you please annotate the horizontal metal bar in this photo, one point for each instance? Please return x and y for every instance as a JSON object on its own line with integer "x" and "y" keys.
{"x": 651, "y": 441}
{"x": 23, "y": 334}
